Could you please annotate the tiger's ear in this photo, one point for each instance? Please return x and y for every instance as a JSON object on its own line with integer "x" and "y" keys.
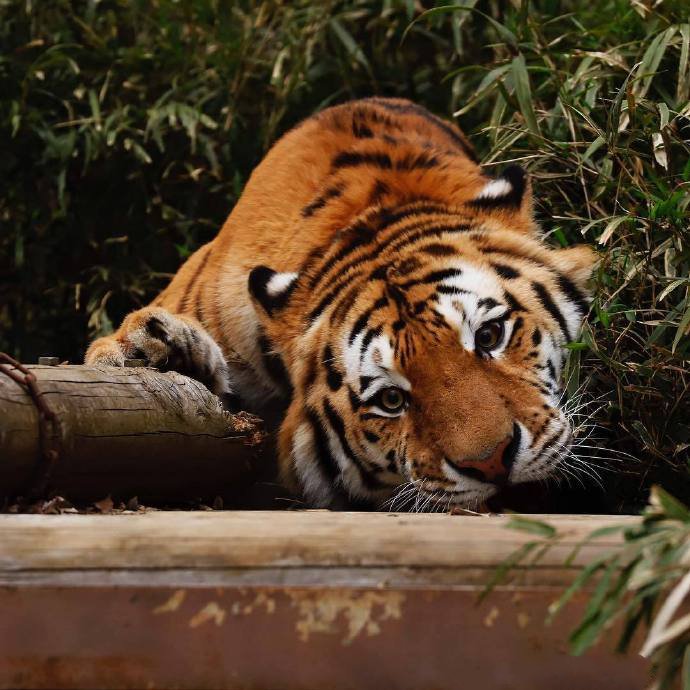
{"x": 511, "y": 192}
{"x": 577, "y": 264}
{"x": 269, "y": 289}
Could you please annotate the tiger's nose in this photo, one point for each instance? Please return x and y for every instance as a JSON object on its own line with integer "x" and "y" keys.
{"x": 495, "y": 466}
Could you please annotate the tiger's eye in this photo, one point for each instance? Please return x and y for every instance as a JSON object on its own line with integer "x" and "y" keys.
{"x": 489, "y": 335}
{"x": 392, "y": 399}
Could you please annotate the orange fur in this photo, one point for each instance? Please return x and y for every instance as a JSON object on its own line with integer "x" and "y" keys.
{"x": 323, "y": 205}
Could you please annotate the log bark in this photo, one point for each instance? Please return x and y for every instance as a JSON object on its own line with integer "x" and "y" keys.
{"x": 124, "y": 432}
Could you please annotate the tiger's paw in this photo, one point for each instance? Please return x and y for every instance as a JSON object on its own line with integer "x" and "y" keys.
{"x": 167, "y": 341}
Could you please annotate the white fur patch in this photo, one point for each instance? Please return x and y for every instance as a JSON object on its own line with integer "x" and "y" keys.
{"x": 279, "y": 283}
{"x": 376, "y": 363}
{"x": 496, "y": 189}
{"x": 462, "y": 310}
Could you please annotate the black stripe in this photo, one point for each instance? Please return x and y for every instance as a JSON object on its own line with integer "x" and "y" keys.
{"x": 355, "y": 402}
{"x": 338, "y": 425}
{"x": 311, "y": 371}
{"x": 361, "y": 236}
{"x": 273, "y": 363}
{"x": 322, "y": 276}
{"x": 359, "y": 127}
{"x": 369, "y": 415}
{"x": 551, "y": 441}
{"x": 363, "y": 319}
{"x": 439, "y": 249}
{"x": 184, "y": 302}
{"x": 569, "y": 289}
{"x": 318, "y": 203}
{"x": 407, "y": 266}
{"x": 339, "y": 314}
{"x": 199, "y": 311}
{"x": 452, "y": 290}
{"x": 370, "y": 335}
{"x": 507, "y": 272}
{"x": 519, "y": 322}
{"x": 536, "y": 336}
{"x": 565, "y": 285}
{"x": 422, "y": 161}
{"x": 433, "y": 277}
{"x": 488, "y": 302}
{"x": 552, "y": 370}
{"x": 389, "y": 217}
{"x": 513, "y": 302}
{"x": 433, "y": 231}
{"x": 323, "y": 449}
{"x": 330, "y": 296}
{"x": 379, "y": 189}
{"x": 333, "y": 377}
{"x": 551, "y": 307}
{"x": 412, "y": 109}
{"x": 350, "y": 159}
{"x": 364, "y": 382}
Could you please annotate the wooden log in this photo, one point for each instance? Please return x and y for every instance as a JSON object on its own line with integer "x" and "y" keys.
{"x": 124, "y": 432}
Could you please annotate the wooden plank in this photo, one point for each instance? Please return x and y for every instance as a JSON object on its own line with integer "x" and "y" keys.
{"x": 290, "y": 601}
{"x": 287, "y": 540}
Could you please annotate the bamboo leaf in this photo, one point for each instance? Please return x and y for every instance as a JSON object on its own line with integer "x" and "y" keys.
{"x": 651, "y": 60}
{"x": 524, "y": 93}
{"x": 611, "y": 228}
{"x": 683, "y": 327}
{"x": 500, "y": 574}
{"x": 350, "y": 44}
{"x": 531, "y": 526}
{"x": 670, "y": 506}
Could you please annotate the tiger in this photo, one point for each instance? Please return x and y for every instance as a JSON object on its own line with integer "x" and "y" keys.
{"x": 402, "y": 307}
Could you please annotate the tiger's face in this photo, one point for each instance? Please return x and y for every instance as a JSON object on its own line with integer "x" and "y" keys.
{"x": 432, "y": 361}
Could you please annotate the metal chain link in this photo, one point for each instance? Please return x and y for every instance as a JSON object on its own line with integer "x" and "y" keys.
{"x": 48, "y": 422}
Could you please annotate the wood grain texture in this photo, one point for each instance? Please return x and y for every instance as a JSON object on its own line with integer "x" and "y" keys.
{"x": 307, "y": 546}
{"x": 124, "y": 432}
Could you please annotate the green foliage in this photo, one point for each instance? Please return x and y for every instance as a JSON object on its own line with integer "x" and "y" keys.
{"x": 643, "y": 585}
{"x": 588, "y": 97}
{"x": 129, "y": 128}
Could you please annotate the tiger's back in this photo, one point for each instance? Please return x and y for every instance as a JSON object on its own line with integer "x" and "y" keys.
{"x": 313, "y": 182}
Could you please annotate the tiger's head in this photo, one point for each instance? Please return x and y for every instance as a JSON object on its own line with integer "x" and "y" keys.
{"x": 425, "y": 348}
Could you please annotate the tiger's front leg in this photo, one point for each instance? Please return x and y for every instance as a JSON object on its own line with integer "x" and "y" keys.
{"x": 171, "y": 342}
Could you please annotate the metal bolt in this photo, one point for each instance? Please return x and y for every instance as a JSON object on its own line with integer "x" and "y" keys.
{"x": 49, "y": 361}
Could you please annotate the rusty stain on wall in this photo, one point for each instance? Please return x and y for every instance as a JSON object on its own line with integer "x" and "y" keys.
{"x": 319, "y": 612}
{"x": 491, "y": 617}
{"x": 211, "y": 612}
{"x": 523, "y": 620}
{"x": 171, "y": 604}
{"x": 261, "y": 600}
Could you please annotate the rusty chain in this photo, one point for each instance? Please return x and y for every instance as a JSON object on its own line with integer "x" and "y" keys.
{"x": 48, "y": 422}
